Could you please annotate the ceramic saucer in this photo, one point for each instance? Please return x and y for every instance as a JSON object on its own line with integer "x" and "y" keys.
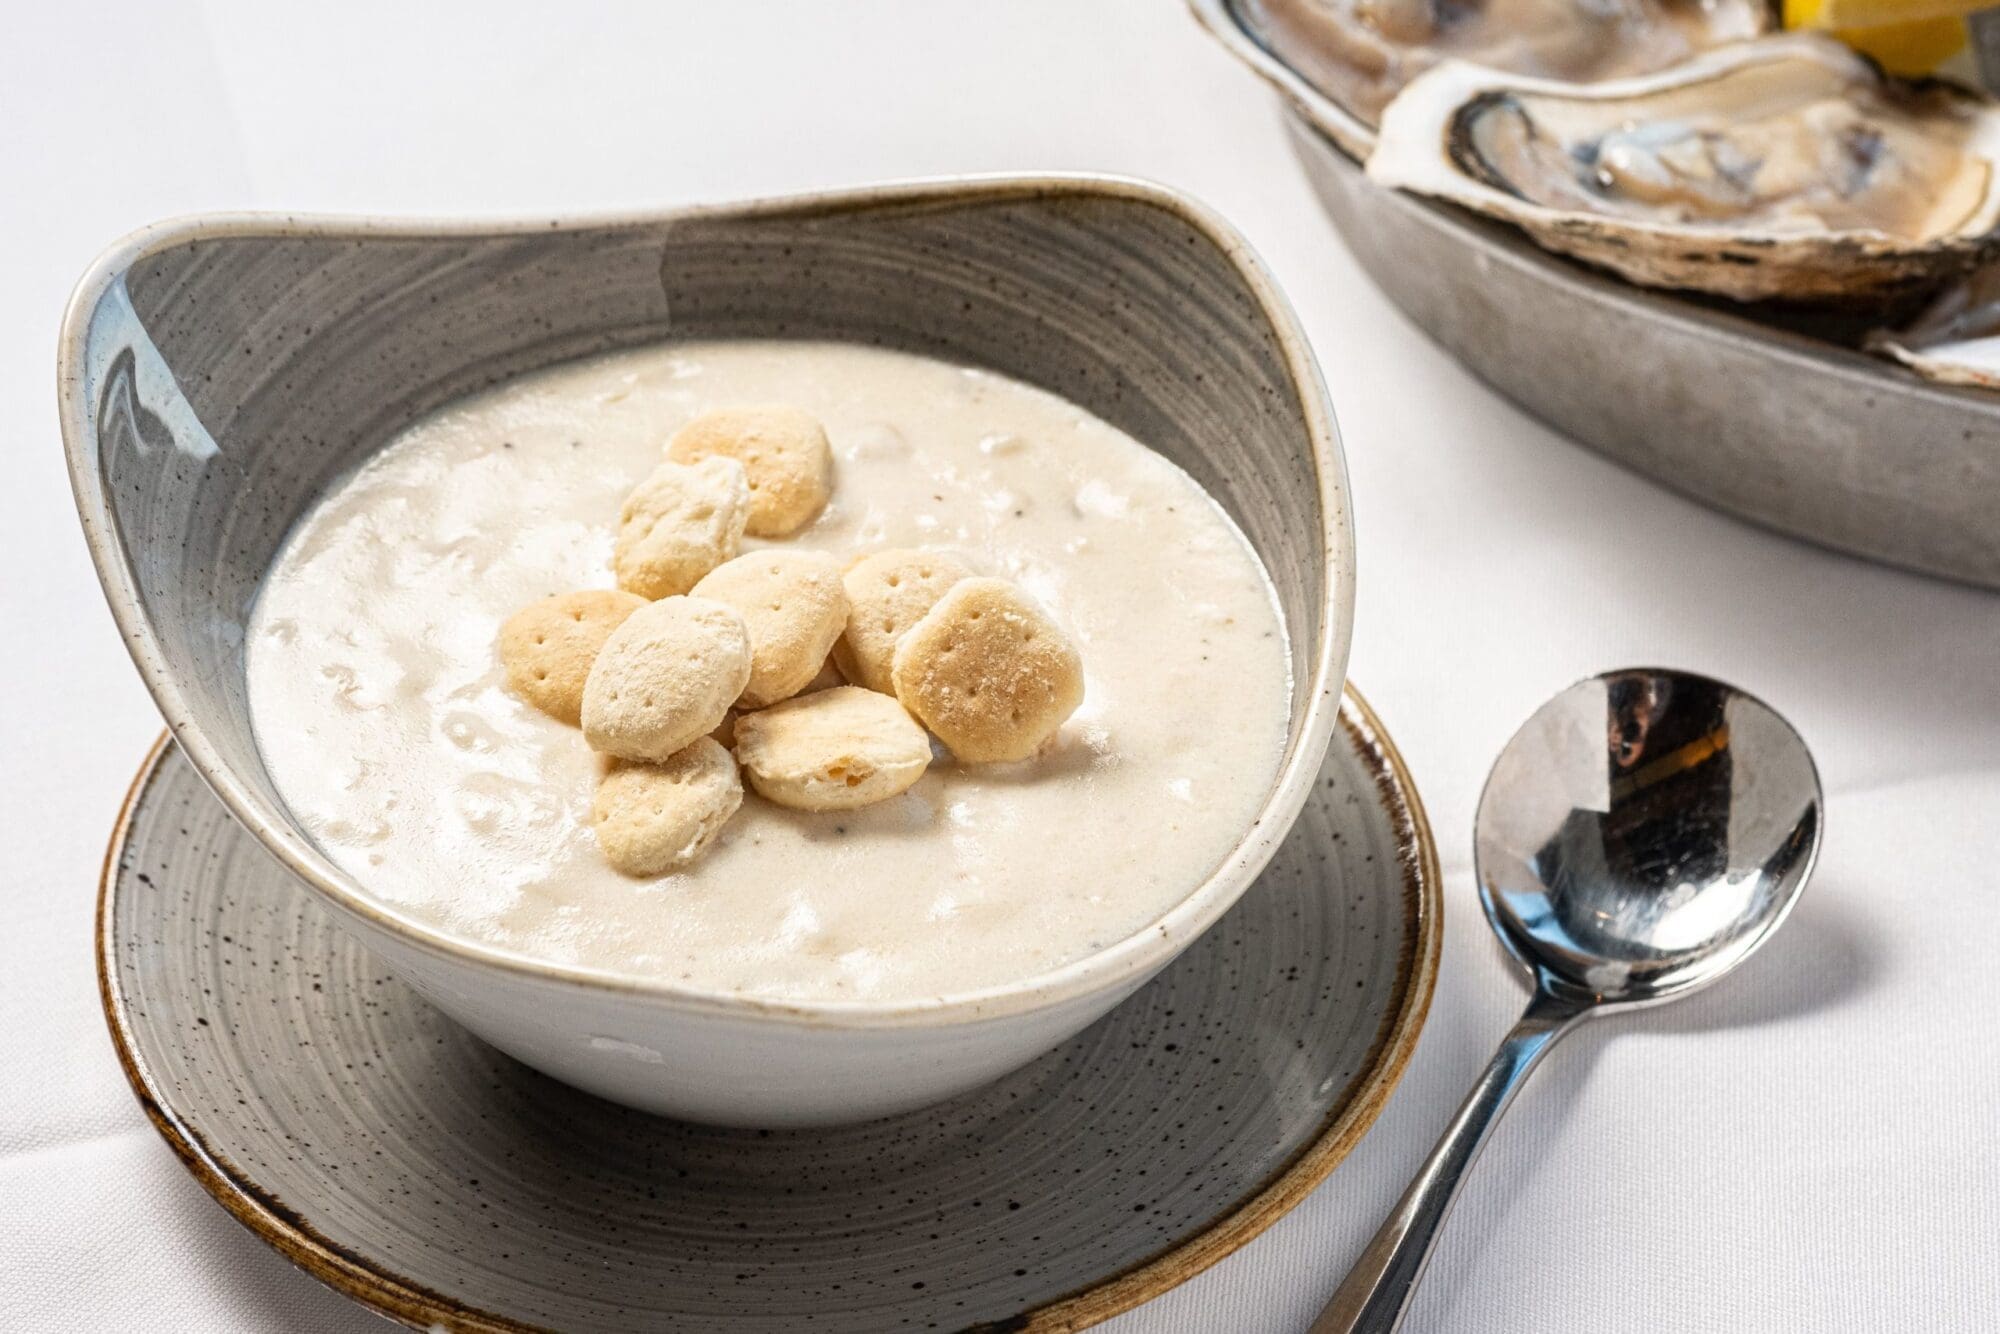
{"x": 392, "y": 1155}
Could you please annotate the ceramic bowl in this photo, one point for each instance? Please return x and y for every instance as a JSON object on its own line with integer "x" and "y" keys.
{"x": 219, "y": 374}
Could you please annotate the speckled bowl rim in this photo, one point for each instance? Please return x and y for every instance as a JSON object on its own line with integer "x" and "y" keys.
{"x": 390, "y": 1294}
{"x": 1134, "y": 956}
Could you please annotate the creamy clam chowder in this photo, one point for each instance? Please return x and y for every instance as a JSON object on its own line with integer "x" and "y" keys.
{"x": 388, "y": 725}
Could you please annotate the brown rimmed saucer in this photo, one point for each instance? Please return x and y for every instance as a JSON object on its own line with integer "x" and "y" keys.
{"x": 393, "y": 1156}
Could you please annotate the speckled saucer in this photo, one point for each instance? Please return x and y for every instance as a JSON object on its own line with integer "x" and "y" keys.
{"x": 392, "y": 1155}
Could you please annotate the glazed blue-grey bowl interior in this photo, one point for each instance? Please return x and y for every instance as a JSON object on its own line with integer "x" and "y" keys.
{"x": 220, "y": 375}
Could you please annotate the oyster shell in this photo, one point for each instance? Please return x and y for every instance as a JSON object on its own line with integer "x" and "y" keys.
{"x": 1361, "y": 53}
{"x": 1955, "y": 339}
{"x": 1786, "y": 168}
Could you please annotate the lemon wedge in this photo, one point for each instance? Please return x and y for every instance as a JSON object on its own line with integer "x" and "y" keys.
{"x": 1908, "y": 37}
{"x": 1839, "y": 14}
{"x": 1909, "y": 49}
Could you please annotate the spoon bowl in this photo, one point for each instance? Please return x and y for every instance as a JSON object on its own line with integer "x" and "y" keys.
{"x": 1643, "y": 833}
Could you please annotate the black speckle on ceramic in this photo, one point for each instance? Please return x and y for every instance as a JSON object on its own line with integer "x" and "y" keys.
{"x": 395, "y": 1156}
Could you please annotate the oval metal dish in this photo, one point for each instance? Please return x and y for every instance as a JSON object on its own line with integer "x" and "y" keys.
{"x": 1786, "y": 430}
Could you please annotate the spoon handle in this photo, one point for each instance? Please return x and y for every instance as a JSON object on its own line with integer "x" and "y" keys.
{"x": 1376, "y": 1292}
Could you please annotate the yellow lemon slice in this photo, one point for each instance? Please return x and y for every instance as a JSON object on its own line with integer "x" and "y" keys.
{"x": 1909, "y": 49}
{"x": 1839, "y": 14}
{"x": 1908, "y": 37}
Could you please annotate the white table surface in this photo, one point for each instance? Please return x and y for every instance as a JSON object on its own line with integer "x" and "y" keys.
{"x": 1812, "y": 1145}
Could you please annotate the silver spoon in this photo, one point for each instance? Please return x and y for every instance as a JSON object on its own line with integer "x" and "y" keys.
{"x": 1640, "y": 836}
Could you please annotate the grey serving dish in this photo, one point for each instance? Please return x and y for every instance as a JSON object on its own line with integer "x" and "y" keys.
{"x": 1788, "y": 430}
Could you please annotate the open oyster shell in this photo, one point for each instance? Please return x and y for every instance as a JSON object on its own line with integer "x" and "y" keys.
{"x": 1955, "y": 339}
{"x": 1785, "y": 168}
{"x": 1361, "y": 53}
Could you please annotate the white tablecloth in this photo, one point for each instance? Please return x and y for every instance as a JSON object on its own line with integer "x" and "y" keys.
{"x": 1812, "y": 1145}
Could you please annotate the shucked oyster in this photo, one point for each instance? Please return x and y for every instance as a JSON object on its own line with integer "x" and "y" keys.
{"x": 1361, "y": 52}
{"x": 1956, "y": 339}
{"x": 1786, "y": 168}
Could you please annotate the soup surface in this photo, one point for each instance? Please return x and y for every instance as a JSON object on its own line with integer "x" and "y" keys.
{"x": 386, "y": 722}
